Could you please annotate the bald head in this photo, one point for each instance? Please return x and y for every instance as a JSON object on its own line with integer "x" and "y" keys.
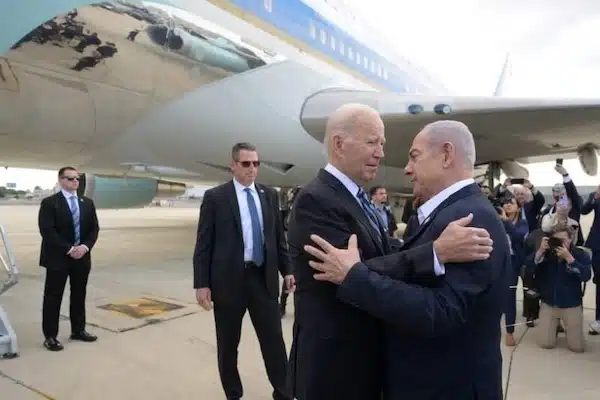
{"x": 354, "y": 138}
{"x": 348, "y": 120}
{"x": 455, "y": 132}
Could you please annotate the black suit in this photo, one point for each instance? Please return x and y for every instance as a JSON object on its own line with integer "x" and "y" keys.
{"x": 337, "y": 349}
{"x": 442, "y": 334}
{"x": 237, "y": 286}
{"x": 58, "y": 236}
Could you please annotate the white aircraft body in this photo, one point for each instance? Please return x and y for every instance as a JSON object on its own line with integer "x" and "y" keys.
{"x": 148, "y": 96}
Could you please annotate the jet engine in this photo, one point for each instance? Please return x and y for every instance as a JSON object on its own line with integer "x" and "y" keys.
{"x": 588, "y": 158}
{"x": 127, "y": 192}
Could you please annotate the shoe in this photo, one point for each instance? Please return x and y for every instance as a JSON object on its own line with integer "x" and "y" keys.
{"x": 84, "y": 336}
{"x": 531, "y": 323}
{"x": 52, "y": 344}
{"x": 594, "y": 328}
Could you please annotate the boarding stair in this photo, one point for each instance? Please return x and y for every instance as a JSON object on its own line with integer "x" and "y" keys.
{"x": 9, "y": 347}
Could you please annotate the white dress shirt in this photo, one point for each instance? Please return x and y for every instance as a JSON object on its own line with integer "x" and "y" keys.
{"x": 68, "y": 196}
{"x": 242, "y": 199}
{"x": 424, "y": 212}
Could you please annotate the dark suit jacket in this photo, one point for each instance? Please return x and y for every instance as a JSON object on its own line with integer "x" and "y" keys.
{"x": 58, "y": 234}
{"x": 442, "y": 334}
{"x": 336, "y": 351}
{"x": 593, "y": 239}
{"x": 219, "y": 251}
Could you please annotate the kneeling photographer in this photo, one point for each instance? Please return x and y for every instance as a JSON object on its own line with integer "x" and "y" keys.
{"x": 559, "y": 269}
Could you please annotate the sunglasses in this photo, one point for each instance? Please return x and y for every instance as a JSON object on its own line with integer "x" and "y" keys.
{"x": 71, "y": 178}
{"x": 246, "y": 164}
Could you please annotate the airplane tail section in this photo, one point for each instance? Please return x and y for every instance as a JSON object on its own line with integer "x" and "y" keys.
{"x": 504, "y": 74}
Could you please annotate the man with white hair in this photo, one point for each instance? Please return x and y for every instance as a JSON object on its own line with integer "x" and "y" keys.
{"x": 442, "y": 331}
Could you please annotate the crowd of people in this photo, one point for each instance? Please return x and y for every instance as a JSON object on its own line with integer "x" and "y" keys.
{"x": 550, "y": 256}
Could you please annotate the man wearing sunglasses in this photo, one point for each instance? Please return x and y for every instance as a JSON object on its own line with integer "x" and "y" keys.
{"x": 69, "y": 228}
{"x": 240, "y": 248}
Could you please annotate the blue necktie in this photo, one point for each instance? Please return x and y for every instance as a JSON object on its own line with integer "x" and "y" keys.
{"x": 369, "y": 210}
{"x": 257, "y": 238}
{"x": 75, "y": 214}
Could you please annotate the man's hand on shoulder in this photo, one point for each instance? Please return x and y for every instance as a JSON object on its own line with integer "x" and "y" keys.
{"x": 461, "y": 243}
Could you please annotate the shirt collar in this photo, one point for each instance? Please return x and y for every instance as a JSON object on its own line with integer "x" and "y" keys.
{"x": 241, "y": 188}
{"x": 430, "y": 205}
{"x": 67, "y": 194}
{"x": 344, "y": 179}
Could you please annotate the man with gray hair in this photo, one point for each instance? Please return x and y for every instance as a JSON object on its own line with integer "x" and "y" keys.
{"x": 442, "y": 330}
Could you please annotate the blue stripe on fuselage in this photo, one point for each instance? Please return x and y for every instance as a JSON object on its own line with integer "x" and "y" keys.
{"x": 303, "y": 23}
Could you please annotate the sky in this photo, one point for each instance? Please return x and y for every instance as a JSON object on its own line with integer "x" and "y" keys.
{"x": 464, "y": 43}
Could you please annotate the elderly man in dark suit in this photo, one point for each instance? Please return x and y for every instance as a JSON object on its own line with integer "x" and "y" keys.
{"x": 69, "y": 228}
{"x": 337, "y": 350}
{"x": 240, "y": 248}
{"x": 442, "y": 331}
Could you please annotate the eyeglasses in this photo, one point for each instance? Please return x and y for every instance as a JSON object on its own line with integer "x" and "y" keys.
{"x": 246, "y": 164}
{"x": 71, "y": 178}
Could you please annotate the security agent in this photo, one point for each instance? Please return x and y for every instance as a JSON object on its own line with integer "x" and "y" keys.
{"x": 69, "y": 228}
{"x": 240, "y": 248}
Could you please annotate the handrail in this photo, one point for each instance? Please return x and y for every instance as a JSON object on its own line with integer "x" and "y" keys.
{"x": 10, "y": 266}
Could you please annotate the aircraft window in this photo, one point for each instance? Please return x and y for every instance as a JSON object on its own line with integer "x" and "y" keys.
{"x": 385, "y": 74}
{"x": 366, "y": 62}
{"x": 358, "y": 58}
{"x": 350, "y": 53}
{"x": 379, "y": 71}
{"x": 342, "y": 48}
{"x": 372, "y": 66}
{"x": 323, "y": 37}
{"x": 268, "y": 5}
{"x": 332, "y": 40}
{"x": 313, "y": 30}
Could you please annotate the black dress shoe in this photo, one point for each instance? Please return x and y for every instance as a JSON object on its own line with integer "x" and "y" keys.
{"x": 53, "y": 345}
{"x": 84, "y": 336}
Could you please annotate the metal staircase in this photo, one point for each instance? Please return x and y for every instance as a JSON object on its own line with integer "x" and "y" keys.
{"x": 9, "y": 347}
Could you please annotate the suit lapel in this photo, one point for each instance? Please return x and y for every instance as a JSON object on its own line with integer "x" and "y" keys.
{"x": 461, "y": 194}
{"x": 352, "y": 203}
{"x": 264, "y": 205}
{"x": 235, "y": 207}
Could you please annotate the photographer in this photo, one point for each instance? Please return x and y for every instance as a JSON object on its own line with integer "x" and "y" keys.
{"x": 559, "y": 269}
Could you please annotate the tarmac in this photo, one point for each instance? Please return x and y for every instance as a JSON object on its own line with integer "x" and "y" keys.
{"x": 156, "y": 343}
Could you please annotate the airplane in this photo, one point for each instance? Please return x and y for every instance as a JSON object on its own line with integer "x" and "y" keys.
{"x": 147, "y": 97}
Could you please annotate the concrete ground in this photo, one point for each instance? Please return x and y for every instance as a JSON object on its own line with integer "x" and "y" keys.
{"x": 145, "y": 255}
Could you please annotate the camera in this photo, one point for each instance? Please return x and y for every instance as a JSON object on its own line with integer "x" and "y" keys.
{"x": 554, "y": 243}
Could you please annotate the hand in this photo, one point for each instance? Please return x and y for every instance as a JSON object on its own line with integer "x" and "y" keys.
{"x": 543, "y": 248}
{"x": 506, "y": 182}
{"x": 204, "y": 298}
{"x": 564, "y": 253}
{"x": 460, "y": 243}
{"x": 527, "y": 184}
{"x": 336, "y": 262}
{"x": 290, "y": 283}
{"x": 503, "y": 216}
{"x": 561, "y": 170}
{"x": 78, "y": 252}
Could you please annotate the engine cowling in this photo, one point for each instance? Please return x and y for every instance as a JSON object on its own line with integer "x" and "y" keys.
{"x": 127, "y": 192}
{"x": 588, "y": 159}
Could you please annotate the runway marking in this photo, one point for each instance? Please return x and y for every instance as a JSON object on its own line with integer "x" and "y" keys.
{"x": 141, "y": 308}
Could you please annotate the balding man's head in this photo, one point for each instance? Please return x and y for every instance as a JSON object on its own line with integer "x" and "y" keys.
{"x": 354, "y": 139}
{"x": 441, "y": 154}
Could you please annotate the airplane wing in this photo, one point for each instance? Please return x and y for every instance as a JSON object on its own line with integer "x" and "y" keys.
{"x": 523, "y": 130}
